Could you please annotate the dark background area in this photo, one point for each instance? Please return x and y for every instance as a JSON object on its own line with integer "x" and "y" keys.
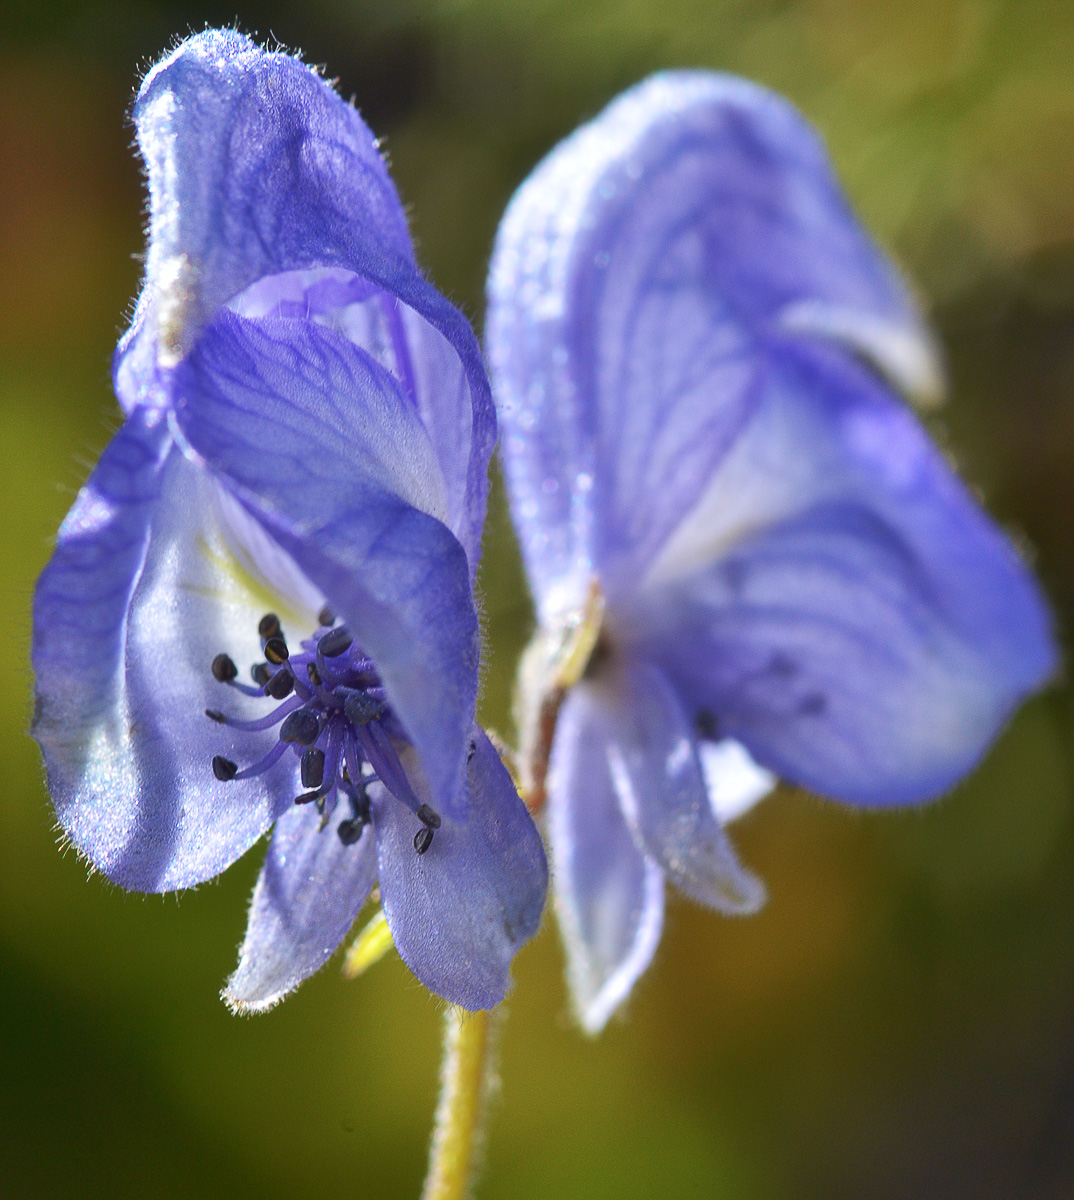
{"x": 899, "y": 1021}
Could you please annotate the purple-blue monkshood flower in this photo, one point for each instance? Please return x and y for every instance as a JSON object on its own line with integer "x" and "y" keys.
{"x": 296, "y": 498}
{"x": 693, "y": 346}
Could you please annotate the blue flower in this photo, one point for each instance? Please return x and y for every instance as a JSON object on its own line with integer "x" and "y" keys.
{"x": 298, "y": 487}
{"x": 693, "y": 346}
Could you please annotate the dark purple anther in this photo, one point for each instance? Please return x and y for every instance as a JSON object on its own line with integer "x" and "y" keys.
{"x": 224, "y": 670}
{"x": 335, "y": 642}
{"x": 300, "y": 727}
{"x": 350, "y": 831}
{"x": 223, "y": 768}
{"x": 268, "y": 626}
{"x": 429, "y": 816}
{"x": 281, "y": 685}
{"x": 276, "y": 651}
{"x": 312, "y": 769}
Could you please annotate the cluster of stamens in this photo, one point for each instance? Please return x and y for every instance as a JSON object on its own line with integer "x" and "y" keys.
{"x": 334, "y": 716}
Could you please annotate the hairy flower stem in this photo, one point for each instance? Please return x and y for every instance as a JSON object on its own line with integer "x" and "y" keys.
{"x": 467, "y": 1079}
{"x": 470, "y": 1039}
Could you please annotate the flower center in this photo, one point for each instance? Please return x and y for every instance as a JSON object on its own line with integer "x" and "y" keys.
{"x": 334, "y": 717}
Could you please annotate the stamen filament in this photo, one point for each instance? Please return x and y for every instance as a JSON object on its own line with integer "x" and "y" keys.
{"x": 263, "y": 764}
{"x": 247, "y": 689}
{"x": 266, "y": 722}
{"x": 382, "y": 757}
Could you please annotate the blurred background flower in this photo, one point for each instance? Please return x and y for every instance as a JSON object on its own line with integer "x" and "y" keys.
{"x": 900, "y": 1019}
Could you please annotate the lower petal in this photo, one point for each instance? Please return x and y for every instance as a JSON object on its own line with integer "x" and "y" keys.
{"x": 311, "y": 889}
{"x": 860, "y": 625}
{"x": 460, "y": 911}
{"x": 825, "y": 648}
{"x": 652, "y": 754}
{"x": 609, "y": 895}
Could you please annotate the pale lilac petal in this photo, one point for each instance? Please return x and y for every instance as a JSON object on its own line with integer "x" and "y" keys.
{"x": 460, "y": 912}
{"x": 316, "y": 440}
{"x": 427, "y": 369}
{"x": 652, "y": 756}
{"x": 310, "y": 890}
{"x": 609, "y": 895}
{"x": 869, "y": 639}
{"x": 140, "y": 594}
{"x": 257, "y": 168}
{"x": 637, "y": 278}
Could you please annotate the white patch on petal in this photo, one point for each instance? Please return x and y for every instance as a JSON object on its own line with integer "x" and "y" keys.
{"x": 905, "y": 354}
{"x": 175, "y": 282}
{"x": 92, "y": 513}
{"x": 735, "y": 782}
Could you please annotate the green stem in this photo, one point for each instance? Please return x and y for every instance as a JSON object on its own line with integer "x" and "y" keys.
{"x": 466, "y": 1079}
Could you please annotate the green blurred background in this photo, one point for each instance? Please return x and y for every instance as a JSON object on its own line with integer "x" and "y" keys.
{"x": 900, "y": 1020}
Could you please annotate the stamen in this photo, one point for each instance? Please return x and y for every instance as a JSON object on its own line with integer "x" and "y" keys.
{"x": 351, "y": 830}
{"x": 224, "y": 670}
{"x": 223, "y": 768}
{"x": 361, "y": 708}
{"x": 329, "y": 768}
{"x": 429, "y": 816}
{"x": 322, "y": 693}
{"x": 339, "y": 722}
{"x": 326, "y": 807}
{"x": 335, "y": 642}
{"x": 352, "y": 771}
{"x": 333, "y": 751}
{"x": 384, "y": 760}
{"x": 312, "y": 769}
{"x": 269, "y": 626}
{"x": 263, "y": 764}
{"x": 360, "y": 804}
{"x": 281, "y": 685}
{"x": 266, "y": 722}
{"x": 301, "y": 727}
{"x": 276, "y": 651}
{"x": 246, "y": 689}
